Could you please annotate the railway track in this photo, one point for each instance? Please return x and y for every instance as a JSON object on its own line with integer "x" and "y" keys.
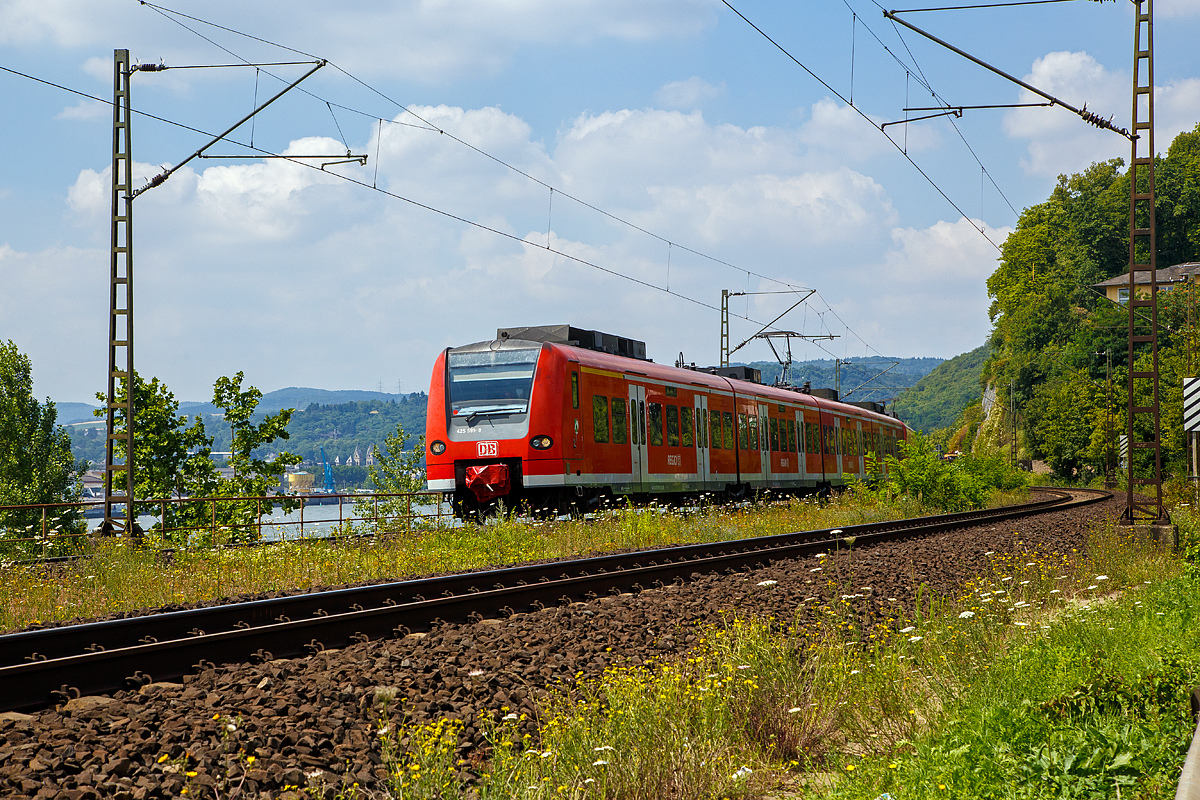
{"x": 48, "y": 666}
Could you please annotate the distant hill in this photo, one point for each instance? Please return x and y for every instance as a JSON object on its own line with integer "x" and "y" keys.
{"x": 75, "y": 412}
{"x": 296, "y": 397}
{"x": 339, "y": 421}
{"x": 937, "y": 399}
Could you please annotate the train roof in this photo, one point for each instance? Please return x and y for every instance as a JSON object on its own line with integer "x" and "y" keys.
{"x": 696, "y": 377}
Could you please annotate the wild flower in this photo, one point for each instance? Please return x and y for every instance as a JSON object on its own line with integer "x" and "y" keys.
{"x": 767, "y": 583}
{"x": 915, "y": 638}
{"x": 966, "y": 615}
{"x": 599, "y": 763}
{"x": 909, "y": 629}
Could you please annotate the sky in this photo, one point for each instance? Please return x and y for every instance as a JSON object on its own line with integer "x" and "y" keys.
{"x": 609, "y": 164}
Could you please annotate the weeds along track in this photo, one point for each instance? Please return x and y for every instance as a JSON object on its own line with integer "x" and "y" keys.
{"x": 50, "y": 666}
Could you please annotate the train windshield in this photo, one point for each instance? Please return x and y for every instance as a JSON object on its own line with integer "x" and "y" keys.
{"x": 491, "y": 382}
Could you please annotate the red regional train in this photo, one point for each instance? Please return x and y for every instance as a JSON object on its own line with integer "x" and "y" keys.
{"x": 557, "y": 418}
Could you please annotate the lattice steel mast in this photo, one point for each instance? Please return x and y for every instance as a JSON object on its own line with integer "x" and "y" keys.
{"x": 119, "y": 446}
{"x": 1143, "y": 243}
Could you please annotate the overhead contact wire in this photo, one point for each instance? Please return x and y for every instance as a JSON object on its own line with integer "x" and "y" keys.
{"x": 841, "y": 97}
{"x": 427, "y": 125}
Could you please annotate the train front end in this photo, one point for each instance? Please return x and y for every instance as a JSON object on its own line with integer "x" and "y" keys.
{"x": 491, "y": 430}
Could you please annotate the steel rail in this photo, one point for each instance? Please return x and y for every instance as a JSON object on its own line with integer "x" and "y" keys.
{"x": 47, "y": 666}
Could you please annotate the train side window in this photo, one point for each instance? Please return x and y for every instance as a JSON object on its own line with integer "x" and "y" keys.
{"x": 656, "y": 424}
{"x": 743, "y": 432}
{"x": 727, "y": 429}
{"x": 672, "y": 426}
{"x": 714, "y": 429}
{"x": 774, "y": 425}
{"x": 702, "y": 427}
{"x": 753, "y": 432}
{"x": 618, "y": 414}
{"x": 791, "y": 432}
{"x": 574, "y": 390}
{"x": 686, "y": 429}
{"x": 600, "y": 419}
{"x": 641, "y": 418}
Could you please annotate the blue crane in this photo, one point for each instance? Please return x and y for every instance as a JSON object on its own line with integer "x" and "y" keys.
{"x": 329, "y": 488}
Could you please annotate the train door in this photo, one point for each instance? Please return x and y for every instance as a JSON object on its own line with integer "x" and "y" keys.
{"x": 837, "y": 445}
{"x": 637, "y": 434}
{"x": 860, "y": 449}
{"x": 702, "y": 465}
{"x": 801, "y": 456}
{"x": 572, "y": 435}
{"x": 764, "y": 443}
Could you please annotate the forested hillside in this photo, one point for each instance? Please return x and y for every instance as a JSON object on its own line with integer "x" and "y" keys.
{"x": 339, "y": 428}
{"x": 1053, "y": 330}
{"x": 939, "y": 397}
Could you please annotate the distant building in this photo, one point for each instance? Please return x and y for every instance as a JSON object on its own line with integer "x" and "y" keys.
{"x": 370, "y": 460}
{"x": 357, "y": 457}
{"x": 337, "y": 461}
{"x": 1117, "y": 289}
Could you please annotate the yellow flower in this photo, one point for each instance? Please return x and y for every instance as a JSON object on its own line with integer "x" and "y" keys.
{"x": 191, "y": 774}
{"x": 849, "y": 767}
{"x": 163, "y": 758}
{"x": 249, "y": 760}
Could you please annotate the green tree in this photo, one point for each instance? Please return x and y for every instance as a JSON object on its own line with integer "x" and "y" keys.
{"x": 252, "y": 476}
{"x": 36, "y": 464}
{"x": 1052, "y": 328}
{"x": 395, "y": 471}
{"x": 162, "y": 440}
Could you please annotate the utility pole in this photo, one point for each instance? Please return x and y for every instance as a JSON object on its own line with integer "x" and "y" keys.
{"x": 1143, "y": 243}
{"x": 119, "y": 446}
{"x": 120, "y": 314}
{"x": 1110, "y": 461}
{"x": 1142, "y": 240}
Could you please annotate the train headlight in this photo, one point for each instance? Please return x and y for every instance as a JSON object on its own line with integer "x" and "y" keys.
{"x": 541, "y": 442}
{"x": 437, "y": 448}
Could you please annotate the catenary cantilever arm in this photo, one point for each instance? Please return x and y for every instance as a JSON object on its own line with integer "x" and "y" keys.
{"x": 1087, "y": 116}
{"x": 160, "y": 178}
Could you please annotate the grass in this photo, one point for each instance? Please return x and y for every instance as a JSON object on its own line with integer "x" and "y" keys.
{"x": 1063, "y": 675}
{"x": 120, "y": 577}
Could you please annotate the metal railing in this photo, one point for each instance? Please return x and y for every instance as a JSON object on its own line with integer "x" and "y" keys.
{"x": 47, "y": 530}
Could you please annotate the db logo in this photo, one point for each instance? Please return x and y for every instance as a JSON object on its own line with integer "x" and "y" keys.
{"x": 486, "y": 449}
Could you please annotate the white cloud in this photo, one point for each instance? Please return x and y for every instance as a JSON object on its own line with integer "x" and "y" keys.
{"x": 84, "y": 110}
{"x": 841, "y": 131}
{"x": 928, "y": 296}
{"x": 241, "y": 264}
{"x": 1177, "y": 8}
{"x": 1060, "y": 142}
{"x": 425, "y": 41}
{"x": 688, "y": 94}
